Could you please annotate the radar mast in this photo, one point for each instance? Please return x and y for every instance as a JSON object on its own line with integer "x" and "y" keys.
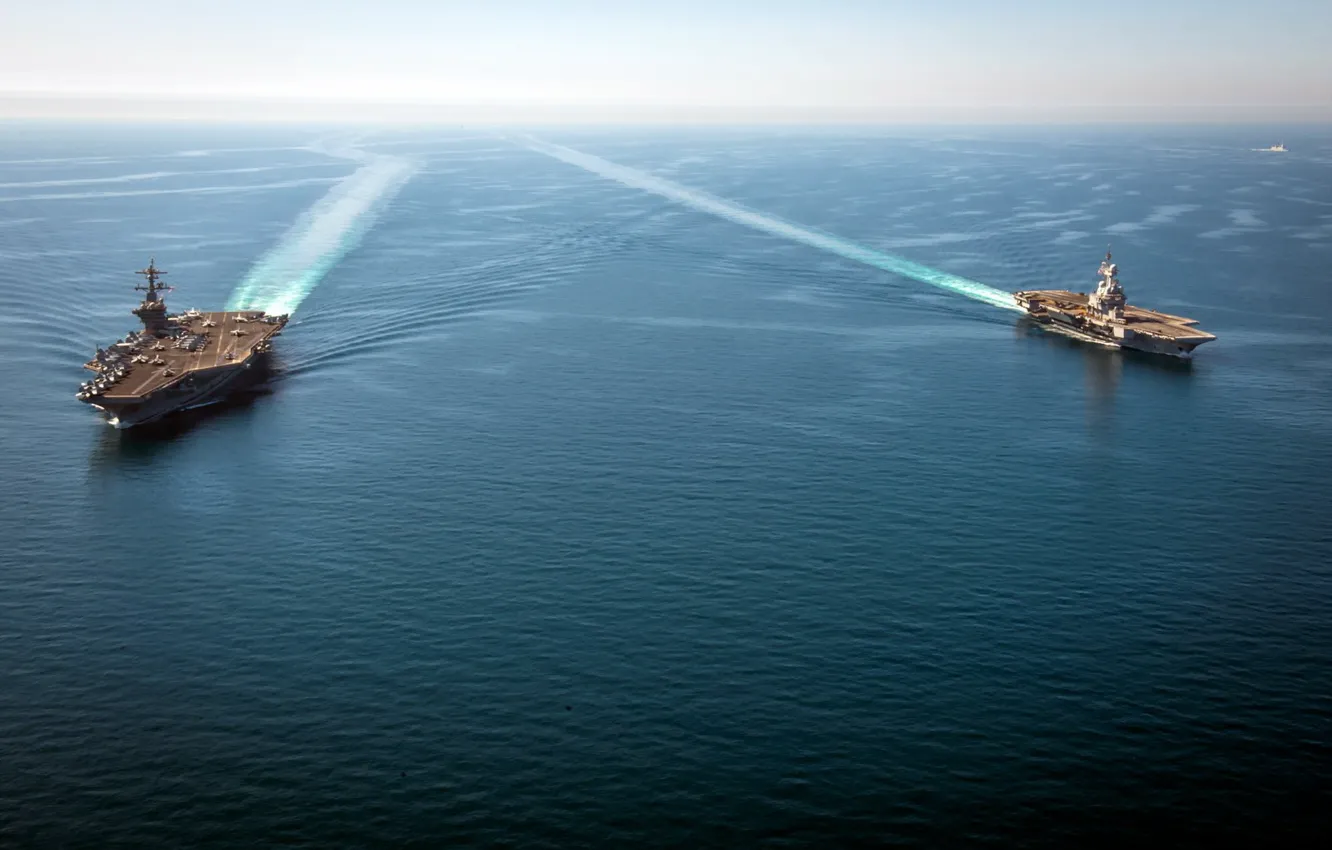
{"x": 152, "y": 273}
{"x": 1108, "y": 299}
{"x": 153, "y": 309}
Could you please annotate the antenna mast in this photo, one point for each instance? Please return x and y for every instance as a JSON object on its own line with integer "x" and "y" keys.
{"x": 152, "y": 273}
{"x": 152, "y": 311}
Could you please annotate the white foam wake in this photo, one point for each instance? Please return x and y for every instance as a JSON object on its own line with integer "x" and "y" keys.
{"x": 324, "y": 233}
{"x": 759, "y": 221}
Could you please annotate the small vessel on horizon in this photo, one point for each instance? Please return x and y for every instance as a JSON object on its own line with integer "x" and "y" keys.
{"x": 1279, "y": 147}
{"x": 176, "y": 362}
{"x": 1105, "y": 318}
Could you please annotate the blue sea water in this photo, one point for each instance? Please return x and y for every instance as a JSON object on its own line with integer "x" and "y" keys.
{"x": 582, "y": 515}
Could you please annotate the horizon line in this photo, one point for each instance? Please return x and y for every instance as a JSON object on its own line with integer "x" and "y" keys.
{"x": 99, "y": 107}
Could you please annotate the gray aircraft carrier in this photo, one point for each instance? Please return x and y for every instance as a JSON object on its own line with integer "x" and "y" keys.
{"x": 176, "y": 362}
{"x": 1104, "y": 317}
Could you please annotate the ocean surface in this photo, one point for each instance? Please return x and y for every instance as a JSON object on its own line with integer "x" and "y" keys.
{"x": 669, "y": 488}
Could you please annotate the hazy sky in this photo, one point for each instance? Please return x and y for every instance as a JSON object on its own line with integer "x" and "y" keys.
{"x": 856, "y": 59}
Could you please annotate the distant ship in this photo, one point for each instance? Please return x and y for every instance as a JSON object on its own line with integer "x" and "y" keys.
{"x": 1277, "y": 148}
{"x": 1103, "y": 317}
{"x": 176, "y": 362}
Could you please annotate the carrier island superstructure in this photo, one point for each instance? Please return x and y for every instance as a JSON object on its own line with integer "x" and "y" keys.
{"x": 1104, "y": 317}
{"x": 176, "y": 362}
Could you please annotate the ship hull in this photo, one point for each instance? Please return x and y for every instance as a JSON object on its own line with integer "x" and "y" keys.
{"x": 1108, "y": 341}
{"x": 1147, "y": 345}
{"x": 210, "y": 391}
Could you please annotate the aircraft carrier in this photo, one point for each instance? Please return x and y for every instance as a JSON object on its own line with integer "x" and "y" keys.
{"x": 176, "y": 362}
{"x": 1103, "y": 317}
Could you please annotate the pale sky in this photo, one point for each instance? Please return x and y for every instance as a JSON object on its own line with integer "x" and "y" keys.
{"x": 856, "y": 60}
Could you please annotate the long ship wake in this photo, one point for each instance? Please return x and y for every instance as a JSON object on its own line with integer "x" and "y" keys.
{"x": 734, "y": 212}
{"x": 323, "y": 235}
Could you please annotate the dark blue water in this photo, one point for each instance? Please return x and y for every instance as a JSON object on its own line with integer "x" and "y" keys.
{"x": 577, "y": 516}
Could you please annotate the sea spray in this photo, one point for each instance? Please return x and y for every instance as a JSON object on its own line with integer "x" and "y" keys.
{"x": 323, "y": 235}
{"x": 759, "y": 221}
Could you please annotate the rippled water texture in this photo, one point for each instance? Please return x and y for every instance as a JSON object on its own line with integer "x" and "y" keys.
{"x": 644, "y": 488}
